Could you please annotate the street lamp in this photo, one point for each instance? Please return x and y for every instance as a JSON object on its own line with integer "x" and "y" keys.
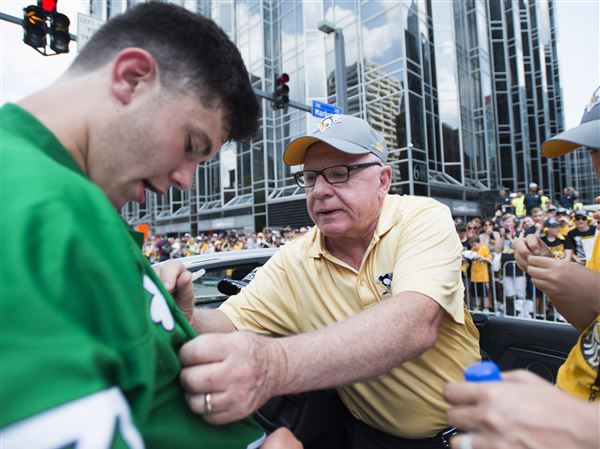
{"x": 340, "y": 63}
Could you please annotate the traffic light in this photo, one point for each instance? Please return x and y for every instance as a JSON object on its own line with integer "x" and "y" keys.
{"x": 48, "y": 5}
{"x": 34, "y": 26}
{"x": 282, "y": 91}
{"x": 59, "y": 33}
{"x": 44, "y": 19}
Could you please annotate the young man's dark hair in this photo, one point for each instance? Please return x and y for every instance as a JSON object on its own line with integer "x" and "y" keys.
{"x": 192, "y": 53}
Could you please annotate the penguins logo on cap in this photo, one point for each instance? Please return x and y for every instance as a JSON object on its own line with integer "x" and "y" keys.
{"x": 594, "y": 100}
{"x": 327, "y": 122}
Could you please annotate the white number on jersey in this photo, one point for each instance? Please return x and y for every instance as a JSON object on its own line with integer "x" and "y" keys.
{"x": 89, "y": 423}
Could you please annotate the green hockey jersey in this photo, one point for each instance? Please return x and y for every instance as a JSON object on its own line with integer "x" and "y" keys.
{"x": 88, "y": 334}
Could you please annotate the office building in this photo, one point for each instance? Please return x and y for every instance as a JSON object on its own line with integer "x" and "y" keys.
{"x": 463, "y": 91}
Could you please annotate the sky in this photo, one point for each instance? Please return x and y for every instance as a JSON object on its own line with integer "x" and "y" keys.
{"x": 23, "y": 71}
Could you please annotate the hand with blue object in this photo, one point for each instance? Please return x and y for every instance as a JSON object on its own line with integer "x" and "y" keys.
{"x": 523, "y": 411}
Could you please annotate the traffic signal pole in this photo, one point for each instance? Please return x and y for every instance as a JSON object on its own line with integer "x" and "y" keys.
{"x": 271, "y": 97}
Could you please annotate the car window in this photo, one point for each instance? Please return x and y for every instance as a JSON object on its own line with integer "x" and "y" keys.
{"x": 206, "y": 293}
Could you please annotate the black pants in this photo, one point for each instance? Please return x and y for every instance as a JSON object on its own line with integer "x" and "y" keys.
{"x": 362, "y": 436}
{"x": 326, "y": 423}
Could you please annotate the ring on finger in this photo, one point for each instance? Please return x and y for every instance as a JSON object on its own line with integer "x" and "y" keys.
{"x": 466, "y": 441}
{"x": 208, "y": 403}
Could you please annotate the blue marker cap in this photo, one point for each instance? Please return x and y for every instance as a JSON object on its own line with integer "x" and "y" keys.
{"x": 483, "y": 372}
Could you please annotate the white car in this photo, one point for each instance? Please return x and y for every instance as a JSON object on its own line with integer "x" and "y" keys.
{"x": 219, "y": 266}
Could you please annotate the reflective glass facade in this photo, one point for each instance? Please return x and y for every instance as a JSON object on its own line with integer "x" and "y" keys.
{"x": 463, "y": 91}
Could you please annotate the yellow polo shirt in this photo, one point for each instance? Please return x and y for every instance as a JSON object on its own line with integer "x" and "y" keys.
{"x": 415, "y": 248}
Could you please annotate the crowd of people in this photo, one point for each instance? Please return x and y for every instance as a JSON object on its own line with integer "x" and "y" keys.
{"x": 159, "y": 248}
{"x": 489, "y": 267}
{"x": 521, "y": 204}
{"x": 494, "y": 283}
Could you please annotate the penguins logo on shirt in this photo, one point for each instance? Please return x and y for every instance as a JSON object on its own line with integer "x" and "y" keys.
{"x": 590, "y": 345}
{"x": 385, "y": 281}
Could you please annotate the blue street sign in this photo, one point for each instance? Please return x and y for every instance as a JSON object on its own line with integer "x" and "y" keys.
{"x": 322, "y": 110}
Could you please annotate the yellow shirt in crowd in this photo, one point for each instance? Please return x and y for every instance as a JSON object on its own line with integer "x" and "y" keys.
{"x": 519, "y": 205}
{"x": 415, "y": 247}
{"x": 565, "y": 228}
{"x": 479, "y": 268}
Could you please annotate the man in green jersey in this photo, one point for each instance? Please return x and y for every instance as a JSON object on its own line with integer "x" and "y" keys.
{"x": 89, "y": 335}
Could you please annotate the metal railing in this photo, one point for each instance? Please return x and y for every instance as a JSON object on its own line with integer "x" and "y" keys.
{"x": 508, "y": 292}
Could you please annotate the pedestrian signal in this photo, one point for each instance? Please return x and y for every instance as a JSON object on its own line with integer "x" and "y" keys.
{"x": 282, "y": 91}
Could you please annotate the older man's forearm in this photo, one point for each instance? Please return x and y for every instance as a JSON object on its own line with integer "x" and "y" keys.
{"x": 206, "y": 321}
{"x": 361, "y": 347}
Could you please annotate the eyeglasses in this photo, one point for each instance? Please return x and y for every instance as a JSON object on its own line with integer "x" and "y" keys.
{"x": 580, "y": 218}
{"x": 473, "y": 228}
{"x": 336, "y": 174}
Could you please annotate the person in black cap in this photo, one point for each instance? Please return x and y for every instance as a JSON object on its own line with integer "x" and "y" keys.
{"x": 553, "y": 238}
{"x": 525, "y": 411}
{"x": 580, "y": 240}
{"x": 369, "y": 301}
{"x": 562, "y": 215}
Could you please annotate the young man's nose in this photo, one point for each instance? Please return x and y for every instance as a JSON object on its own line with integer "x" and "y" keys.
{"x": 183, "y": 176}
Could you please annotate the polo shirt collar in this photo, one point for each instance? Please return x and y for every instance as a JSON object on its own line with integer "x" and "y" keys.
{"x": 387, "y": 219}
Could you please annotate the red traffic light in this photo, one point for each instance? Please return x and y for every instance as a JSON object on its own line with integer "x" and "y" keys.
{"x": 281, "y": 98}
{"x": 281, "y": 87}
{"x": 283, "y": 78}
{"x": 48, "y": 5}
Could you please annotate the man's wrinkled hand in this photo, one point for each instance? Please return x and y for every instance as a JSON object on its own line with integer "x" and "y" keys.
{"x": 229, "y": 376}
{"x": 178, "y": 281}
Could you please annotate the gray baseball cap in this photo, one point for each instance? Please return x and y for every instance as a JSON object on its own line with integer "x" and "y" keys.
{"x": 346, "y": 133}
{"x": 587, "y": 134}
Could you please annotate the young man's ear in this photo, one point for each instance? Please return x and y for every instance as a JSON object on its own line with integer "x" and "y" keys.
{"x": 133, "y": 70}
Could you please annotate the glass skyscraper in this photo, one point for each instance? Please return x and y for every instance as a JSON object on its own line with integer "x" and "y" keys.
{"x": 463, "y": 91}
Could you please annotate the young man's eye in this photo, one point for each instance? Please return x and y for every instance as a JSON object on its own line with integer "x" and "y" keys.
{"x": 189, "y": 147}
